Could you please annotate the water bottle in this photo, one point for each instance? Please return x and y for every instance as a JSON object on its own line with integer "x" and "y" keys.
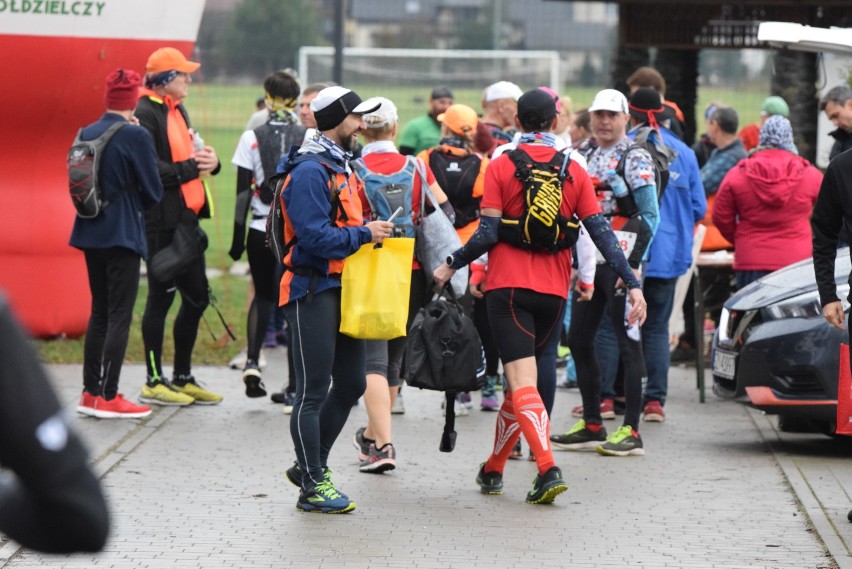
{"x": 631, "y": 329}
{"x": 197, "y": 141}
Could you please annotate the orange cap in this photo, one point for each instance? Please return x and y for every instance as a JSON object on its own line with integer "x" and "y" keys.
{"x": 459, "y": 118}
{"x": 168, "y": 58}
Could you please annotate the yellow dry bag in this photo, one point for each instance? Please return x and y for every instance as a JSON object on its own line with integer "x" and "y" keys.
{"x": 375, "y": 287}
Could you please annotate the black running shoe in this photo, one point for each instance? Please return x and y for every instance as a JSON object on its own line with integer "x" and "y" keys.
{"x": 294, "y": 475}
{"x": 489, "y": 482}
{"x": 287, "y": 398}
{"x": 253, "y": 381}
{"x": 547, "y": 487}
{"x": 579, "y": 437}
{"x": 517, "y": 451}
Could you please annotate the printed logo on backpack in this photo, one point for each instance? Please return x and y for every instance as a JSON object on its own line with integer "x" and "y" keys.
{"x": 84, "y": 159}
{"x": 541, "y": 226}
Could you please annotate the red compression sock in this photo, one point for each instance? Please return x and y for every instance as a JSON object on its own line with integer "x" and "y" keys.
{"x": 535, "y": 424}
{"x": 506, "y": 434}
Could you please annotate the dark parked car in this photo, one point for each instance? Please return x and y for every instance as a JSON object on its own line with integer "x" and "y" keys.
{"x": 774, "y": 351}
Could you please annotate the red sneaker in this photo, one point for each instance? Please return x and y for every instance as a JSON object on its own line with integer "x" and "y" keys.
{"x": 654, "y": 412}
{"x": 117, "y": 408}
{"x": 607, "y": 410}
{"x": 87, "y": 404}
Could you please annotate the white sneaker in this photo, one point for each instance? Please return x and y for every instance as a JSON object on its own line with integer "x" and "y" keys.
{"x": 398, "y": 405}
{"x": 239, "y": 361}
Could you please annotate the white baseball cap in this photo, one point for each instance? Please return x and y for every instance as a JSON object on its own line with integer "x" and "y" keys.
{"x": 502, "y": 90}
{"x": 332, "y": 104}
{"x": 610, "y": 100}
{"x": 385, "y": 115}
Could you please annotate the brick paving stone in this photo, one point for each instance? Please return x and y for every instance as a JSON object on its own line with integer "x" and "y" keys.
{"x": 205, "y": 488}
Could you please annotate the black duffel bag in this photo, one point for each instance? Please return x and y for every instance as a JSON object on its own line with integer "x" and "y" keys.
{"x": 443, "y": 352}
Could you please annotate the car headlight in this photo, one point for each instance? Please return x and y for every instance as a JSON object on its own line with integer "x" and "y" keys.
{"x": 805, "y": 305}
{"x": 724, "y": 323}
{"x": 802, "y": 306}
{"x": 734, "y": 323}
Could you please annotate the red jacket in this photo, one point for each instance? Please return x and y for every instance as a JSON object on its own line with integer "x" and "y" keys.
{"x": 763, "y": 207}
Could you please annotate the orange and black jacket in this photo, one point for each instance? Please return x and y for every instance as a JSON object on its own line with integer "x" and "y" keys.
{"x": 161, "y": 220}
{"x": 323, "y": 212}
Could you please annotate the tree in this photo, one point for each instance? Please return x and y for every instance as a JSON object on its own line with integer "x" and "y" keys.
{"x": 265, "y": 35}
{"x": 588, "y": 73}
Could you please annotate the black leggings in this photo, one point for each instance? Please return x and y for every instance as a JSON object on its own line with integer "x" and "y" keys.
{"x": 523, "y": 321}
{"x": 193, "y": 288}
{"x": 263, "y": 275}
{"x": 585, "y": 318}
{"x": 114, "y": 282}
{"x": 320, "y": 353}
{"x": 480, "y": 320}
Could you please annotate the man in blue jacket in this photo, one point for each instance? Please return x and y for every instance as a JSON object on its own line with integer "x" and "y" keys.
{"x": 113, "y": 243}
{"x": 682, "y": 205}
{"x": 323, "y": 224}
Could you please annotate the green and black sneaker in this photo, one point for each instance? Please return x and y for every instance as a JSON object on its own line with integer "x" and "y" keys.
{"x": 324, "y": 498}
{"x": 489, "y": 482}
{"x": 295, "y": 475}
{"x": 579, "y": 437}
{"x": 546, "y": 487}
{"x": 623, "y": 442}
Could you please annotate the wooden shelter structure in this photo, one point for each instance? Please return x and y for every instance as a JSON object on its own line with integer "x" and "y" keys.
{"x": 679, "y": 29}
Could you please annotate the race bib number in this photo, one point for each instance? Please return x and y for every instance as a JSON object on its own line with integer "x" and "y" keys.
{"x": 627, "y": 239}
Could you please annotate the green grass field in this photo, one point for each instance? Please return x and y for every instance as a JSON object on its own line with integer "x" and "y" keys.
{"x": 219, "y": 113}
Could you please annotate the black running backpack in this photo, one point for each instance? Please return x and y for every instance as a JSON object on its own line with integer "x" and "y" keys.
{"x": 84, "y": 159}
{"x": 541, "y": 226}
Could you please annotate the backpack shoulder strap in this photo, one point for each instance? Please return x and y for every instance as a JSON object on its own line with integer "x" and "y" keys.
{"x": 105, "y": 138}
{"x": 410, "y": 165}
{"x": 483, "y": 163}
{"x": 622, "y": 162}
{"x": 522, "y": 162}
{"x": 560, "y": 162}
{"x": 334, "y": 195}
{"x": 420, "y": 168}
{"x": 360, "y": 168}
{"x": 110, "y": 132}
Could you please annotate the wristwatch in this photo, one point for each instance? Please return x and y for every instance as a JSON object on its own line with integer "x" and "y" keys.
{"x": 450, "y": 260}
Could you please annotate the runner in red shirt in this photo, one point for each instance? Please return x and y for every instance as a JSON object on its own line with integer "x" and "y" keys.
{"x": 526, "y": 292}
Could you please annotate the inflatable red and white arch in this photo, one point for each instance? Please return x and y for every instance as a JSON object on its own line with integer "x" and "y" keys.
{"x": 56, "y": 54}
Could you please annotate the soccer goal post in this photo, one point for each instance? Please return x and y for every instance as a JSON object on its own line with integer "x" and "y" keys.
{"x": 374, "y": 69}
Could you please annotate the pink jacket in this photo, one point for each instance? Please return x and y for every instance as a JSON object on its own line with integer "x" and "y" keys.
{"x": 764, "y": 206}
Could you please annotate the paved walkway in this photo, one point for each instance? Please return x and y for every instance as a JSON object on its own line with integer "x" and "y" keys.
{"x": 204, "y": 488}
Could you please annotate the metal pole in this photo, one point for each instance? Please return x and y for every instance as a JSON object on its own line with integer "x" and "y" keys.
{"x": 497, "y": 24}
{"x": 337, "y": 72}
